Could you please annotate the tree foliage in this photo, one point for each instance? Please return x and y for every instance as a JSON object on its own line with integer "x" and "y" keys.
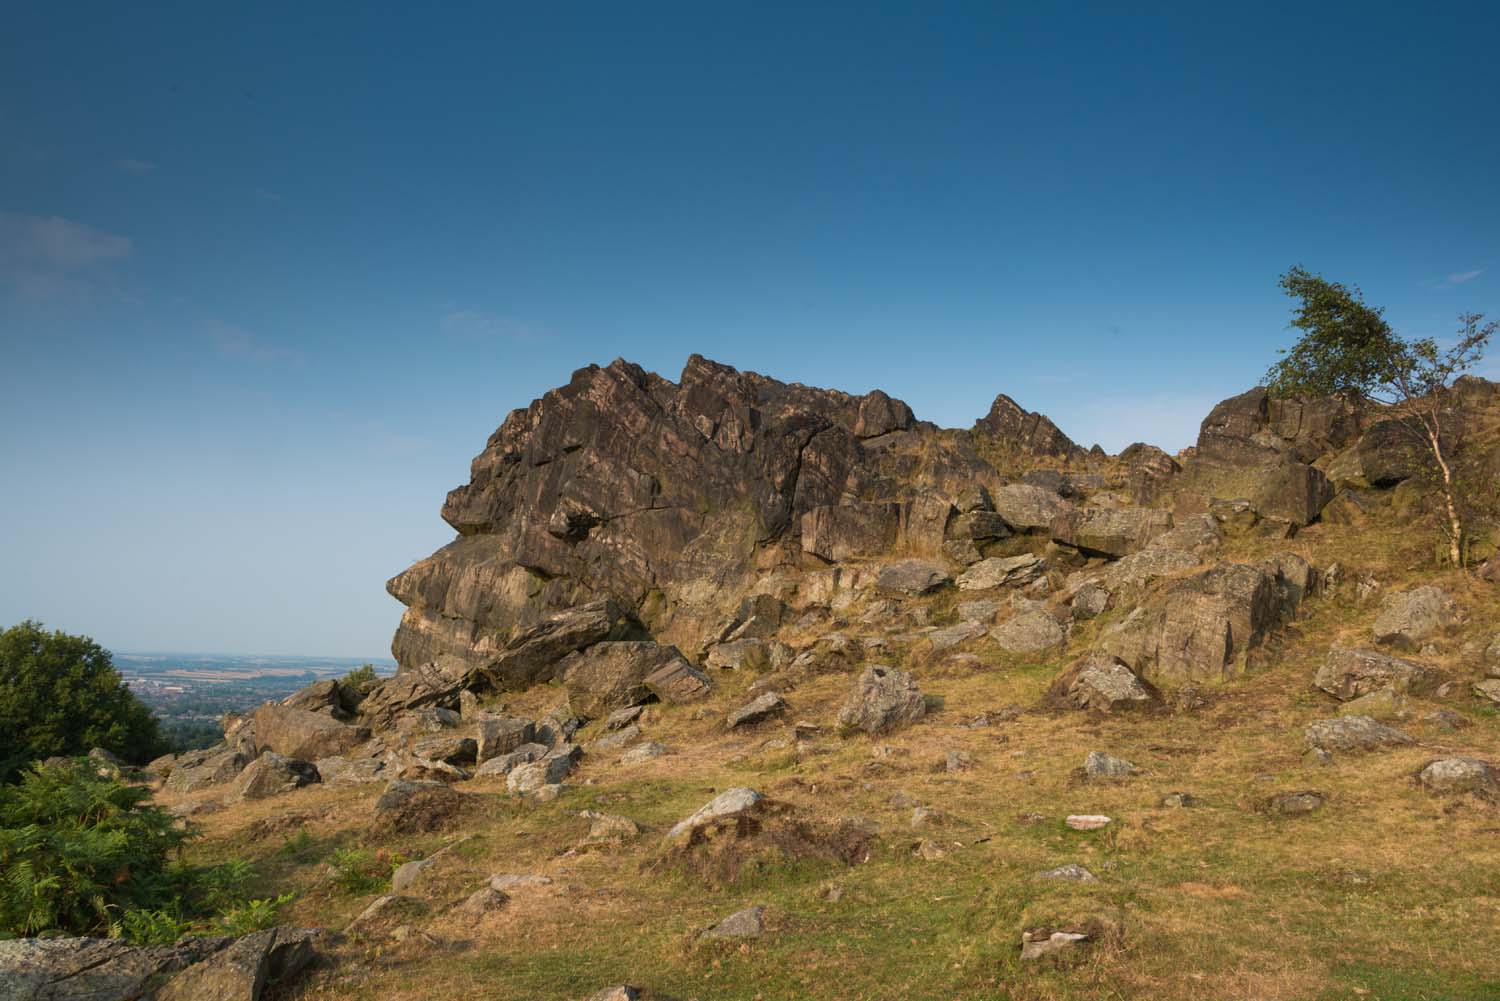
{"x": 1347, "y": 347}
{"x": 61, "y": 695}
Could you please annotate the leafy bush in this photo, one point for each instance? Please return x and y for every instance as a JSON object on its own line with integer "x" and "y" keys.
{"x": 61, "y": 695}
{"x": 361, "y": 679}
{"x": 356, "y": 871}
{"x": 253, "y": 915}
{"x": 85, "y": 854}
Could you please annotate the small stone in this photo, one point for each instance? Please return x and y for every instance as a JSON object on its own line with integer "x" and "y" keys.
{"x": 757, "y": 710}
{"x": 643, "y": 752}
{"x": 726, "y": 804}
{"x": 1072, "y": 872}
{"x": 1041, "y": 944}
{"x": 958, "y": 761}
{"x": 1179, "y": 800}
{"x": 1353, "y": 733}
{"x": 620, "y": 992}
{"x": 1087, "y": 821}
{"x": 1316, "y": 757}
{"x": 483, "y": 901}
{"x": 928, "y": 850}
{"x": 912, "y": 577}
{"x": 513, "y": 882}
{"x": 1099, "y": 765}
{"x": 1489, "y": 690}
{"x": 1296, "y": 804}
{"x": 748, "y": 923}
{"x": 1458, "y": 775}
{"x": 408, "y": 873}
{"x": 1385, "y": 702}
{"x": 608, "y": 827}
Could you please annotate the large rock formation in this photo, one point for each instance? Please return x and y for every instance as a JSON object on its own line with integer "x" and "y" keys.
{"x": 659, "y": 499}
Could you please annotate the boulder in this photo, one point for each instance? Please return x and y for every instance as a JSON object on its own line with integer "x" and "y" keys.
{"x": 535, "y": 654}
{"x": 93, "y": 969}
{"x": 912, "y": 577}
{"x": 1410, "y": 617}
{"x": 1353, "y": 733}
{"x": 410, "y": 806}
{"x": 241, "y": 971}
{"x": 1295, "y": 804}
{"x": 1029, "y": 632}
{"x": 677, "y": 681}
{"x": 952, "y": 636}
{"x": 1201, "y": 628}
{"x": 611, "y": 675}
{"x": 298, "y": 733}
{"x": 455, "y": 749}
{"x": 1448, "y": 776}
{"x": 1102, "y": 683}
{"x": 271, "y": 774}
{"x": 497, "y": 735}
{"x": 997, "y": 571}
{"x": 502, "y": 764}
{"x": 729, "y": 803}
{"x": 1099, "y": 765}
{"x": 433, "y": 684}
{"x": 1348, "y": 674}
{"x": 532, "y": 776}
{"x": 320, "y": 696}
{"x": 1027, "y": 508}
{"x": 757, "y": 710}
{"x": 977, "y": 526}
{"x": 197, "y": 770}
{"x": 748, "y": 923}
{"x": 884, "y": 699}
{"x": 1109, "y": 531}
{"x": 1389, "y": 452}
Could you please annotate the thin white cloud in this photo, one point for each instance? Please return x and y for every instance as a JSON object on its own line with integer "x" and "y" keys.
{"x": 55, "y": 242}
{"x": 239, "y": 344}
{"x": 139, "y": 168}
{"x": 475, "y": 324}
{"x": 267, "y": 195}
{"x": 1456, "y": 279}
{"x": 48, "y": 257}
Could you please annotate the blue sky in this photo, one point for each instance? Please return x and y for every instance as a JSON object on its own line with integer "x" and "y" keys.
{"x": 268, "y": 278}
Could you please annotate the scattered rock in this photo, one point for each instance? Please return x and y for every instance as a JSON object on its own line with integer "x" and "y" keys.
{"x": 197, "y": 770}
{"x": 913, "y": 577}
{"x": 511, "y": 882}
{"x": 982, "y": 612}
{"x": 1381, "y": 702}
{"x": 997, "y": 571}
{"x": 483, "y": 901}
{"x": 643, "y": 752}
{"x": 271, "y": 775}
{"x": 1353, "y": 733}
{"x": 1029, "y": 632}
{"x": 408, "y": 873}
{"x": 946, "y": 639}
{"x": 1179, "y": 800}
{"x": 1295, "y": 804}
{"x": 1488, "y": 689}
{"x": 620, "y": 992}
{"x": 1099, "y": 765}
{"x": 1347, "y": 674}
{"x": 497, "y": 735}
{"x": 1408, "y": 618}
{"x": 1042, "y": 943}
{"x": 1447, "y": 776}
{"x": 678, "y": 681}
{"x": 241, "y": 971}
{"x": 884, "y": 699}
{"x": 1102, "y": 683}
{"x": 1086, "y": 821}
{"x": 504, "y": 764}
{"x": 384, "y": 912}
{"x": 417, "y": 806}
{"x": 748, "y": 923}
{"x": 757, "y": 710}
{"x": 729, "y": 803}
{"x": 533, "y": 775}
{"x": 1071, "y": 872}
{"x": 609, "y": 828}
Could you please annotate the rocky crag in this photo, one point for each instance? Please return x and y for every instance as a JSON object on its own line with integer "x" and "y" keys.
{"x": 729, "y": 556}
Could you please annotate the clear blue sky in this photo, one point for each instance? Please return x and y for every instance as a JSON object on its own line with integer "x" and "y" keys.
{"x": 268, "y": 278}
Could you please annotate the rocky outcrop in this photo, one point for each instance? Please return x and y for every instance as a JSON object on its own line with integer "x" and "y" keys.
{"x": 1203, "y": 627}
{"x": 612, "y": 675}
{"x": 195, "y": 969}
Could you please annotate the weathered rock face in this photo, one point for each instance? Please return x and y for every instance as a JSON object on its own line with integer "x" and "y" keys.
{"x": 660, "y": 500}
{"x": 610, "y": 676}
{"x": 298, "y": 733}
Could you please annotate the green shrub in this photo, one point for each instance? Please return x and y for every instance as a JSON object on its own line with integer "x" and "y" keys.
{"x": 253, "y": 915}
{"x": 361, "y": 679}
{"x": 85, "y": 854}
{"x": 60, "y": 695}
{"x": 356, "y": 871}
